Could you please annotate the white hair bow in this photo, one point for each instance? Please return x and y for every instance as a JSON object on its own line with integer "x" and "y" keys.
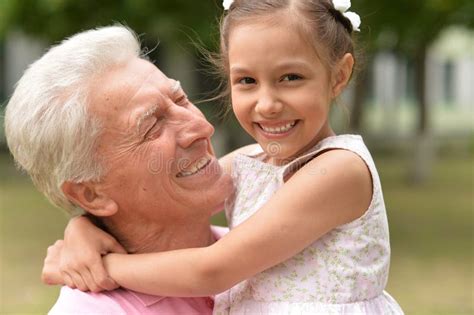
{"x": 226, "y": 4}
{"x": 342, "y": 6}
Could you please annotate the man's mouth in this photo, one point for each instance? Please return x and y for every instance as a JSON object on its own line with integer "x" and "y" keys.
{"x": 277, "y": 129}
{"x": 195, "y": 167}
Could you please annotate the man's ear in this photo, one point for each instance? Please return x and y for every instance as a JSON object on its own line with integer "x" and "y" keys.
{"x": 342, "y": 74}
{"x": 88, "y": 197}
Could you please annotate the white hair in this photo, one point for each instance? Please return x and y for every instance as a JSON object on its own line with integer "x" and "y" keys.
{"x": 47, "y": 126}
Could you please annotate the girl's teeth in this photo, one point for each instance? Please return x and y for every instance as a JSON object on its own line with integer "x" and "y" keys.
{"x": 280, "y": 129}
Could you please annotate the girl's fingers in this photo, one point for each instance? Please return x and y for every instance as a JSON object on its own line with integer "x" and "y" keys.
{"x": 78, "y": 281}
{"x": 68, "y": 280}
{"x": 89, "y": 281}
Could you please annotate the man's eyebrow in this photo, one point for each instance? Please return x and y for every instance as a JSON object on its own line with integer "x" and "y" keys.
{"x": 176, "y": 87}
{"x": 145, "y": 115}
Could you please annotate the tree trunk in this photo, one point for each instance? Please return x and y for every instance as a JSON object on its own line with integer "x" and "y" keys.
{"x": 420, "y": 90}
{"x": 423, "y": 143}
{"x": 360, "y": 93}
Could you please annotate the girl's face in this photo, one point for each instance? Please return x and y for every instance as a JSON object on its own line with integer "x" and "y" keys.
{"x": 281, "y": 92}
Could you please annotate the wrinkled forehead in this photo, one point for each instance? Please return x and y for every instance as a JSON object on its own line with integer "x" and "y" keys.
{"x": 128, "y": 86}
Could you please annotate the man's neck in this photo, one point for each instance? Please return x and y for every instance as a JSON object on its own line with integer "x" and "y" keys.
{"x": 146, "y": 237}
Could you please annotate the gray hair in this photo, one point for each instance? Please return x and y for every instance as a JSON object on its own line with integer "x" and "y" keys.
{"x": 47, "y": 126}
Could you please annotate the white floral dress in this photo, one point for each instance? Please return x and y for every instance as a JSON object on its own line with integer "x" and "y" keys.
{"x": 343, "y": 272}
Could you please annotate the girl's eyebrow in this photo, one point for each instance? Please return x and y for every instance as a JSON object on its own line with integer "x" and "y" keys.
{"x": 238, "y": 69}
{"x": 292, "y": 64}
{"x": 297, "y": 63}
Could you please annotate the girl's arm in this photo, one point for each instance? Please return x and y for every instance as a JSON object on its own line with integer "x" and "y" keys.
{"x": 332, "y": 189}
{"x": 77, "y": 261}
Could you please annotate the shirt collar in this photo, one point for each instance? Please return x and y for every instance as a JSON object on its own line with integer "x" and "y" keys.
{"x": 147, "y": 299}
{"x": 219, "y": 231}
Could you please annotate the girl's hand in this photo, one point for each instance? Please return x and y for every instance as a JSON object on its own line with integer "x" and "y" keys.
{"x": 81, "y": 256}
{"x": 50, "y": 274}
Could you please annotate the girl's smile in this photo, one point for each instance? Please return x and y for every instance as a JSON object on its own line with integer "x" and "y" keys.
{"x": 276, "y": 130}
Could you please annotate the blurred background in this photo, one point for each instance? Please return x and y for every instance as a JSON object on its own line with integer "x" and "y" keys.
{"x": 412, "y": 100}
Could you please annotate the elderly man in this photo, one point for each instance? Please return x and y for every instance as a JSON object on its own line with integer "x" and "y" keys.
{"x": 100, "y": 128}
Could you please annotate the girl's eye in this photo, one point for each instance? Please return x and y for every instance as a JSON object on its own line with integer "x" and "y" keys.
{"x": 247, "y": 80}
{"x": 291, "y": 77}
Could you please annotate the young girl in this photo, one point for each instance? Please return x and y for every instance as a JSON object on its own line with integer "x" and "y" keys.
{"x": 308, "y": 225}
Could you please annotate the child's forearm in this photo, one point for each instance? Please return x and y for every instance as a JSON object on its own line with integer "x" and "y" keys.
{"x": 289, "y": 222}
{"x": 191, "y": 273}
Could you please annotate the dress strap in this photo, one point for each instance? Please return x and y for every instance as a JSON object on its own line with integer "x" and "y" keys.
{"x": 352, "y": 143}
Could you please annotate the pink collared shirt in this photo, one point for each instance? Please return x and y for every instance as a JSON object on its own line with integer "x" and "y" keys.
{"x": 127, "y": 302}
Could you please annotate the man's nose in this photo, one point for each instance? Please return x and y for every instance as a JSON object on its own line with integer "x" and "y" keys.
{"x": 268, "y": 104}
{"x": 192, "y": 127}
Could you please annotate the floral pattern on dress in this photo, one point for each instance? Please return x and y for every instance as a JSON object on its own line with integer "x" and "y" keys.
{"x": 346, "y": 269}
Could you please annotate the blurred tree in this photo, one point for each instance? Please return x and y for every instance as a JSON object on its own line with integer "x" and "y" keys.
{"x": 175, "y": 22}
{"x": 405, "y": 26}
{"x": 408, "y": 27}
{"x": 53, "y": 20}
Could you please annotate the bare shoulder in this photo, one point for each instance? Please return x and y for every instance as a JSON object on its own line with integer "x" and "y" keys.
{"x": 226, "y": 160}
{"x": 341, "y": 176}
{"x": 344, "y": 161}
{"x": 344, "y": 167}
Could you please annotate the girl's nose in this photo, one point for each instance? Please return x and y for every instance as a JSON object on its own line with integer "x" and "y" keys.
{"x": 268, "y": 104}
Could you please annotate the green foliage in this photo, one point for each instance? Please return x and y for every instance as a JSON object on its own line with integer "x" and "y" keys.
{"x": 407, "y": 25}
{"x": 401, "y": 24}
{"x": 53, "y": 20}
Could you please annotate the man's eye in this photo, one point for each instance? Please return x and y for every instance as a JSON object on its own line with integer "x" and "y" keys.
{"x": 182, "y": 100}
{"x": 154, "y": 131}
{"x": 247, "y": 80}
{"x": 291, "y": 77}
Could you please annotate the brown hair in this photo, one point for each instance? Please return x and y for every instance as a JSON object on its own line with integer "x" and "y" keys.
{"x": 328, "y": 30}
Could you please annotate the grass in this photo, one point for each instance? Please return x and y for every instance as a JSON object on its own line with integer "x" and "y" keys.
{"x": 431, "y": 234}
{"x": 431, "y": 231}
{"x": 28, "y": 224}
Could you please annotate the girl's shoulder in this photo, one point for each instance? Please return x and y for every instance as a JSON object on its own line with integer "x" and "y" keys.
{"x": 353, "y": 145}
{"x": 345, "y": 153}
{"x": 344, "y": 165}
{"x": 339, "y": 177}
{"x": 348, "y": 164}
